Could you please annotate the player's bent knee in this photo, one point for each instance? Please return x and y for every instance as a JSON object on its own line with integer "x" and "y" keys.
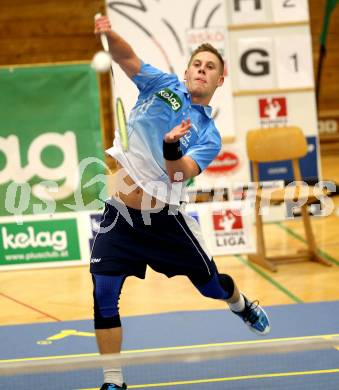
{"x": 106, "y": 295}
{"x": 101, "y": 322}
{"x": 220, "y": 286}
{"x": 227, "y": 283}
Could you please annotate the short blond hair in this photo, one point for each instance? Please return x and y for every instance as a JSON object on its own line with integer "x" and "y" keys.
{"x": 208, "y": 47}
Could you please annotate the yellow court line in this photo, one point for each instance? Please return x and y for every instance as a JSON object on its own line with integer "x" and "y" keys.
{"x": 48, "y": 357}
{"x": 179, "y": 347}
{"x": 227, "y": 343}
{"x": 232, "y": 378}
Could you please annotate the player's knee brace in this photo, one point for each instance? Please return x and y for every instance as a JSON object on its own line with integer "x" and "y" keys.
{"x": 106, "y": 295}
{"x": 227, "y": 283}
{"x": 101, "y": 322}
{"x": 220, "y": 286}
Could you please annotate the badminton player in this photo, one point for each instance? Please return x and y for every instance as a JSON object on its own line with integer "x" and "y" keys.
{"x": 171, "y": 138}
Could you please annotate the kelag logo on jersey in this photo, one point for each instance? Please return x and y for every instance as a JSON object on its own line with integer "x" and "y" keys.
{"x": 170, "y": 98}
{"x": 273, "y": 111}
{"x": 228, "y": 228}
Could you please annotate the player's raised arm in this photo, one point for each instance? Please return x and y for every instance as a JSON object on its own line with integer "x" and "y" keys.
{"x": 122, "y": 53}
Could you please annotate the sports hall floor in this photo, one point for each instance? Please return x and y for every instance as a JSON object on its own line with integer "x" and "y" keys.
{"x": 317, "y": 369}
{"x": 47, "y": 312}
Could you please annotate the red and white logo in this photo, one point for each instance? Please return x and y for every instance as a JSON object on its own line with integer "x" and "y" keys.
{"x": 273, "y": 108}
{"x": 227, "y": 220}
{"x": 224, "y": 163}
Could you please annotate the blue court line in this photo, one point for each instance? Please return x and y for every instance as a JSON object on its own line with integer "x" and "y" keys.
{"x": 269, "y": 279}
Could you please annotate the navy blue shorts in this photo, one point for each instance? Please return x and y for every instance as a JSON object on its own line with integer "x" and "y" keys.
{"x": 168, "y": 240}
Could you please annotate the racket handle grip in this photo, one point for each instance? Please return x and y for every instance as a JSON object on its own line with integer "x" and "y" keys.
{"x": 103, "y": 38}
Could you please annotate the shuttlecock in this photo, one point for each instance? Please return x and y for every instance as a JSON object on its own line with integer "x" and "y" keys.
{"x": 101, "y": 62}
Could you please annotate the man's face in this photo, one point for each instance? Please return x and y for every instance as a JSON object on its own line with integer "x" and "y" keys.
{"x": 203, "y": 76}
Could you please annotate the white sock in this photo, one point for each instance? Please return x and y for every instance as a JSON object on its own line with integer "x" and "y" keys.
{"x": 239, "y": 305}
{"x": 113, "y": 375}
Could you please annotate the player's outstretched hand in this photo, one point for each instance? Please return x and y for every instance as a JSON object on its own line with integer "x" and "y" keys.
{"x": 178, "y": 131}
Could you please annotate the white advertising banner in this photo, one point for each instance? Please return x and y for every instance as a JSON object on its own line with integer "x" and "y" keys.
{"x": 230, "y": 166}
{"x": 247, "y": 191}
{"x": 163, "y": 33}
{"x": 272, "y": 58}
{"x": 247, "y": 11}
{"x": 290, "y": 10}
{"x": 293, "y": 57}
{"x": 274, "y": 110}
{"x": 255, "y": 71}
{"x": 226, "y": 228}
{"x": 282, "y": 109}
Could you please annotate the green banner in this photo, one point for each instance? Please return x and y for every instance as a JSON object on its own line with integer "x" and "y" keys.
{"x": 39, "y": 241}
{"x": 51, "y": 153}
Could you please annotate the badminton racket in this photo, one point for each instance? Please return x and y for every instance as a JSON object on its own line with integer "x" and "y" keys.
{"x": 119, "y": 107}
{"x": 121, "y": 119}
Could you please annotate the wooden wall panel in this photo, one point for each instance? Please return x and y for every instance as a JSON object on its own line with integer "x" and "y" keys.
{"x": 329, "y": 97}
{"x": 54, "y": 31}
{"x": 42, "y": 31}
